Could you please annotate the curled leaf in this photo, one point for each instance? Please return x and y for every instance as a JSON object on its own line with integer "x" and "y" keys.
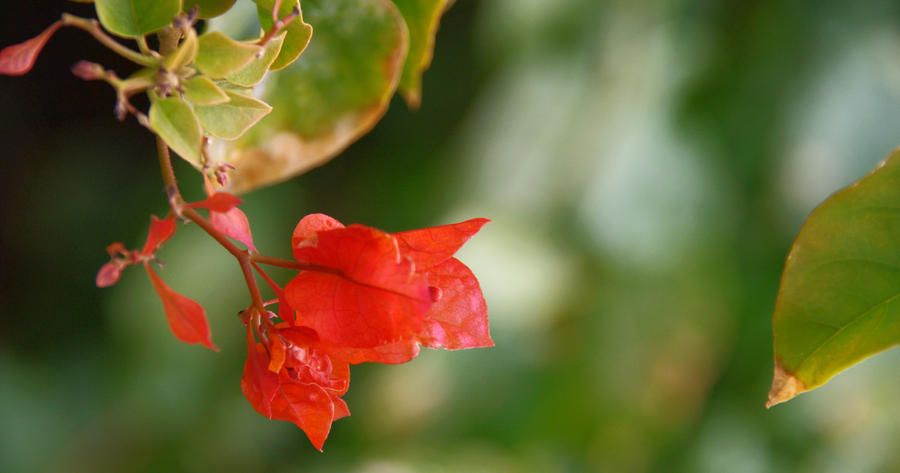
{"x": 18, "y": 59}
{"x": 187, "y": 318}
{"x": 422, "y": 17}
{"x": 231, "y": 119}
{"x": 298, "y": 32}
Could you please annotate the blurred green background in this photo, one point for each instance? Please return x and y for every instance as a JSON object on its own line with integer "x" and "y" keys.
{"x": 646, "y": 166}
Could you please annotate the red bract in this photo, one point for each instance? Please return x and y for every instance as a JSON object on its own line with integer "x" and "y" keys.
{"x": 377, "y": 295}
{"x": 226, "y": 218}
{"x": 186, "y": 317}
{"x": 18, "y": 59}
{"x": 306, "y": 386}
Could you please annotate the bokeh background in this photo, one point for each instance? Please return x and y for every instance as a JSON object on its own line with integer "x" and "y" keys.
{"x": 646, "y": 166}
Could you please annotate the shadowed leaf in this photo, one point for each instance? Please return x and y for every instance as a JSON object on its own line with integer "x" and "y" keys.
{"x": 422, "y": 18}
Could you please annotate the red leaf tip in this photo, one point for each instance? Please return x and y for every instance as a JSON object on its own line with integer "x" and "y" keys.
{"x": 18, "y": 59}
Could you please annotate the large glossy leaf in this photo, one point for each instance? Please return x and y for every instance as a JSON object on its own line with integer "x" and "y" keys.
{"x": 209, "y": 8}
{"x": 231, "y": 119}
{"x": 219, "y": 55}
{"x": 133, "y": 18}
{"x": 334, "y": 93}
{"x": 174, "y": 121}
{"x": 298, "y": 32}
{"x": 422, "y": 18}
{"x": 839, "y": 300}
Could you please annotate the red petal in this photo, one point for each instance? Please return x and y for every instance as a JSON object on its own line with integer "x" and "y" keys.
{"x": 218, "y": 202}
{"x": 258, "y": 383}
{"x": 187, "y": 318}
{"x": 306, "y": 405}
{"x": 389, "y": 353}
{"x": 18, "y": 59}
{"x": 276, "y": 348}
{"x": 459, "y": 319}
{"x": 160, "y": 232}
{"x": 308, "y": 226}
{"x": 373, "y": 298}
{"x": 430, "y": 246}
{"x": 109, "y": 273}
{"x": 340, "y": 408}
{"x": 233, "y": 224}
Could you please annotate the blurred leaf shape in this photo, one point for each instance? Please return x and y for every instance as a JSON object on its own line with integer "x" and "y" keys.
{"x": 208, "y": 8}
{"x": 219, "y": 55}
{"x": 422, "y": 18}
{"x": 839, "y": 300}
{"x": 253, "y": 73}
{"x": 202, "y": 91}
{"x": 133, "y": 18}
{"x": 332, "y": 95}
{"x": 17, "y": 59}
{"x": 231, "y": 119}
{"x": 298, "y": 32}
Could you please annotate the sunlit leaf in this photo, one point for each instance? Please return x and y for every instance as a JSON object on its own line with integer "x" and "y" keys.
{"x": 17, "y": 59}
{"x": 254, "y": 72}
{"x": 422, "y": 18}
{"x": 209, "y": 8}
{"x": 219, "y": 55}
{"x": 333, "y": 94}
{"x": 174, "y": 121}
{"x": 186, "y": 317}
{"x": 231, "y": 119}
{"x": 133, "y": 18}
{"x": 201, "y": 90}
{"x": 839, "y": 300}
{"x": 298, "y": 32}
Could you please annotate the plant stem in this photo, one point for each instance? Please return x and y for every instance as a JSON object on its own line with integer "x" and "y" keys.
{"x": 291, "y": 264}
{"x": 177, "y": 204}
{"x": 93, "y": 27}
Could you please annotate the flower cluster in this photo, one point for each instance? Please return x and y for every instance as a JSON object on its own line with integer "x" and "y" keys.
{"x": 368, "y": 296}
{"x": 361, "y": 295}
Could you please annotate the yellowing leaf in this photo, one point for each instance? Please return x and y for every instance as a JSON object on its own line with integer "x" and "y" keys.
{"x": 422, "y": 18}
{"x": 839, "y": 300}
{"x": 231, "y": 119}
{"x": 174, "y": 121}
{"x": 219, "y": 55}
{"x": 333, "y": 94}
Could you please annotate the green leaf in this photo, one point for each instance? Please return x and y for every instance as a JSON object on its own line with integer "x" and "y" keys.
{"x": 298, "y": 32}
{"x": 184, "y": 54}
{"x": 173, "y": 120}
{"x": 201, "y": 90}
{"x": 231, "y": 119}
{"x": 333, "y": 94}
{"x": 133, "y": 18}
{"x": 209, "y": 8}
{"x": 839, "y": 300}
{"x": 422, "y": 18}
{"x": 254, "y": 72}
{"x": 219, "y": 55}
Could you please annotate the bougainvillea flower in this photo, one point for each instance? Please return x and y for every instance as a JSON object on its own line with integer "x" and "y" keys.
{"x": 377, "y": 296}
{"x": 303, "y": 388}
{"x": 226, "y": 217}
